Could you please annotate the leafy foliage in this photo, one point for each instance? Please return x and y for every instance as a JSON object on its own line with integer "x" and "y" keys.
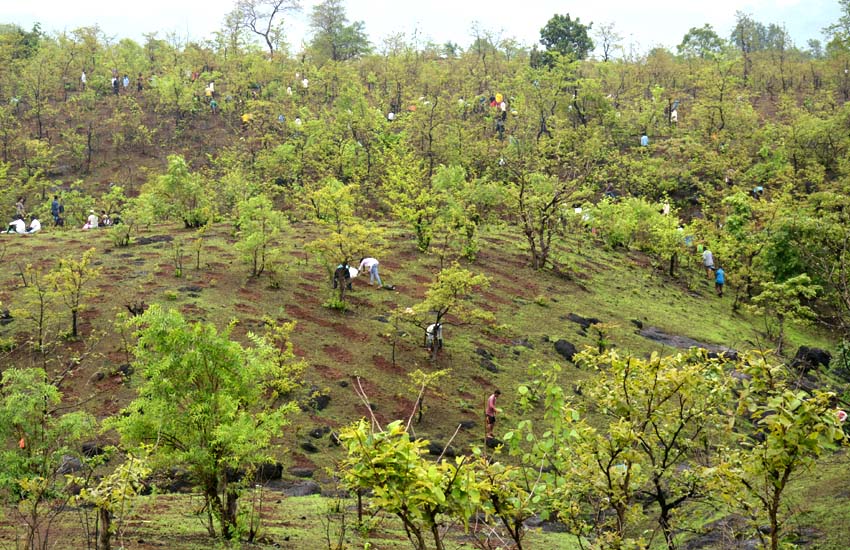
{"x": 207, "y": 402}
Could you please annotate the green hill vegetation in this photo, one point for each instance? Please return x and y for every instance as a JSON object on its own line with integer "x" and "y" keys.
{"x": 197, "y": 368}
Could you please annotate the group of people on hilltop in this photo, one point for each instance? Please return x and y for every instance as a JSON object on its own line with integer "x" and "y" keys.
{"x": 57, "y": 211}
{"x": 116, "y": 83}
{"x": 18, "y": 224}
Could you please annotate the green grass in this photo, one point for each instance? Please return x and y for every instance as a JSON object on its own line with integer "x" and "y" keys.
{"x": 530, "y": 309}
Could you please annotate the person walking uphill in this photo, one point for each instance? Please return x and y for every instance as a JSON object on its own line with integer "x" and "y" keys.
{"x": 708, "y": 262}
{"x": 372, "y": 265}
{"x": 490, "y": 413}
{"x": 719, "y": 280}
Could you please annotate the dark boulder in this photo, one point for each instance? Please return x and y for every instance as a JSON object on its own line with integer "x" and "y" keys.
{"x": 483, "y": 353}
{"x": 302, "y": 489}
{"x": 268, "y": 471}
{"x": 309, "y": 447}
{"x": 155, "y": 239}
{"x": 69, "y": 465}
{"x": 467, "y": 424}
{"x": 488, "y": 364}
{"x": 91, "y": 449}
{"x": 809, "y": 358}
{"x": 583, "y": 322}
{"x": 436, "y": 449}
{"x": 302, "y": 472}
{"x": 319, "y": 400}
{"x": 565, "y": 349}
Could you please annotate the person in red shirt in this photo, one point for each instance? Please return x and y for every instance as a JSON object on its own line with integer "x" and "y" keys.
{"x": 490, "y": 413}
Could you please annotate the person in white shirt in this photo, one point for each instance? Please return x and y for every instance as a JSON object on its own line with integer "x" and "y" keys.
{"x": 371, "y": 264}
{"x": 91, "y": 221}
{"x": 434, "y": 336}
{"x": 35, "y": 225}
{"x": 18, "y": 225}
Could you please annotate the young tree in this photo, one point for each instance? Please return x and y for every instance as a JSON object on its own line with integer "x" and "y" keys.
{"x": 537, "y": 200}
{"x": 37, "y": 308}
{"x": 47, "y": 443}
{"x": 178, "y": 193}
{"x": 451, "y": 293}
{"x": 659, "y": 419}
{"x": 422, "y": 494}
{"x": 208, "y": 402}
{"x": 791, "y": 429}
{"x": 71, "y": 280}
{"x": 111, "y": 495}
{"x": 260, "y": 226}
{"x": 785, "y": 302}
{"x": 346, "y": 236}
{"x": 408, "y": 195}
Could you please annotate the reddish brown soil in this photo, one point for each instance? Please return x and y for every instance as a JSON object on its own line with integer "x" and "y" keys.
{"x": 299, "y": 314}
{"x": 338, "y": 354}
{"x": 387, "y": 366}
{"x": 329, "y": 373}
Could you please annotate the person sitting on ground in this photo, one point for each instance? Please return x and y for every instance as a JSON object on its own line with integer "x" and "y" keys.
{"x": 91, "y": 221}
{"x": 35, "y": 225}
{"x": 104, "y": 218}
{"x": 18, "y": 225}
{"x": 434, "y": 336}
{"x": 372, "y": 265}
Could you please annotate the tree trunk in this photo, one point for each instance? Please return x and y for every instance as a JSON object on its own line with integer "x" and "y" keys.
{"x": 104, "y": 533}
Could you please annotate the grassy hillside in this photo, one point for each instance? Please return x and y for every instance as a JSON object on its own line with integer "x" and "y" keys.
{"x": 532, "y": 310}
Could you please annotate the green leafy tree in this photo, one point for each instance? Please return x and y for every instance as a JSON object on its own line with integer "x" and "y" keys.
{"x": 46, "y": 442}
{"x": 566, "y": 36}
{"x": 207, "y": 402}
{"x": 537, "y": 200}
{"x": 38, "y": 307}
{"x": 658, "y": 417}
{"x": 333, "y": 37}
{"x": 450, "y": 293}
{"x": 422, "y": 494}
{"x": 701, "y": 42}
{"x": 112, "y": 495}
{"x": 408, "y": 195}
{"x": 179, "y": 193}
{"x": 71, "y": 281}
{"x": 260, "y": 227}
{"x": 790, "y": 430}
{"x": 785, "y": 302}
{"x": 346, "y": 237}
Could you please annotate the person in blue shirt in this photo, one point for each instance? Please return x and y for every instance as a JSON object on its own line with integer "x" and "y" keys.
{"x": 719, "y": 280}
